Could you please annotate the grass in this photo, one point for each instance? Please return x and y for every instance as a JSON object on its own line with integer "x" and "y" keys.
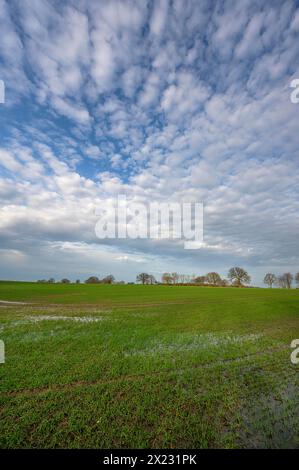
{"x": 148, "y": 367}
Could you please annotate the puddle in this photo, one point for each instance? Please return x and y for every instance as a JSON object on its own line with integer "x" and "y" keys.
{"x": 38, "y": 318}
{"x": 196, "y": 342}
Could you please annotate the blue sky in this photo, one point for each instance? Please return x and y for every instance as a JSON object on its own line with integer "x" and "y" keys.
{"x": 158, "y": 100}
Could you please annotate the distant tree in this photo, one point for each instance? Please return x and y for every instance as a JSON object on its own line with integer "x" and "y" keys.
{"x": 152, "y": 279}
{"x": 108, "y": 279}
{"x": 51, "y": 280}
{"x": 65, "y": 281}
{"x": 270, "y": 279}
{"x": 42, "y": 281}
{"x": 297, "y": 279}
{"x": 224, "y": 283}
{"x": 213, "y": 278}
{"x": 175, "y": 278}
{"x": 285, "y": 280}
{"x": 280, "y": 282}
{"x": 143, "y": 278}
{"x": 200, "y": 280}
{"x": 238, "y": 276}
{"x": 77, "y": 281}
{"x": 167, "y": 278}
{"x": 288, "y": 279}
{"x": 92, "y": 280}
{"x": 182, "y": 278}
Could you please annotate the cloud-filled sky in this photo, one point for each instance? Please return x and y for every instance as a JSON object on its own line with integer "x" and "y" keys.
{"x": 179, "y": 100}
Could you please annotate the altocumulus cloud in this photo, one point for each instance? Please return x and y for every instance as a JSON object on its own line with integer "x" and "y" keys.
{"x": 158, "y": 100}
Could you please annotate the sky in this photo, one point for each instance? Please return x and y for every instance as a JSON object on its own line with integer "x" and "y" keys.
{"x": 160, "y": 100}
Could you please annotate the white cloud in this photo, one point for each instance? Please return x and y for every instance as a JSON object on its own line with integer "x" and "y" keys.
{"x": 159, "y": 17}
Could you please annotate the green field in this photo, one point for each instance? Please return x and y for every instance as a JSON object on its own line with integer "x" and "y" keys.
{"x": 148, "y": 367}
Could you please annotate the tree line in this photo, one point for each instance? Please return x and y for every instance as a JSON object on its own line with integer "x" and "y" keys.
{"x": 236, "y": 277}
{"x": 110, "y": 279}
{"x": 284, "y": 281}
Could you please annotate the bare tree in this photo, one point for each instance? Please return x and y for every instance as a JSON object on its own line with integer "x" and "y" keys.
{"x": 213, "y": 278}
{"x": 238, "y": 276}
{"x": 65, "y": 281}
{"x": 297, "y": 279}
{"x": 143, "y": 278}
{"x": 285, "y": 280}
{"x": 175, "y": 278}
{"x": 270, "y": 279}
{"x": 280, "y": 282}
{"x": 108, "y": 279}
{"x": 167, "y": 278}
{"x": 289, "y": 279}
{"x": 152, "y": 279}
